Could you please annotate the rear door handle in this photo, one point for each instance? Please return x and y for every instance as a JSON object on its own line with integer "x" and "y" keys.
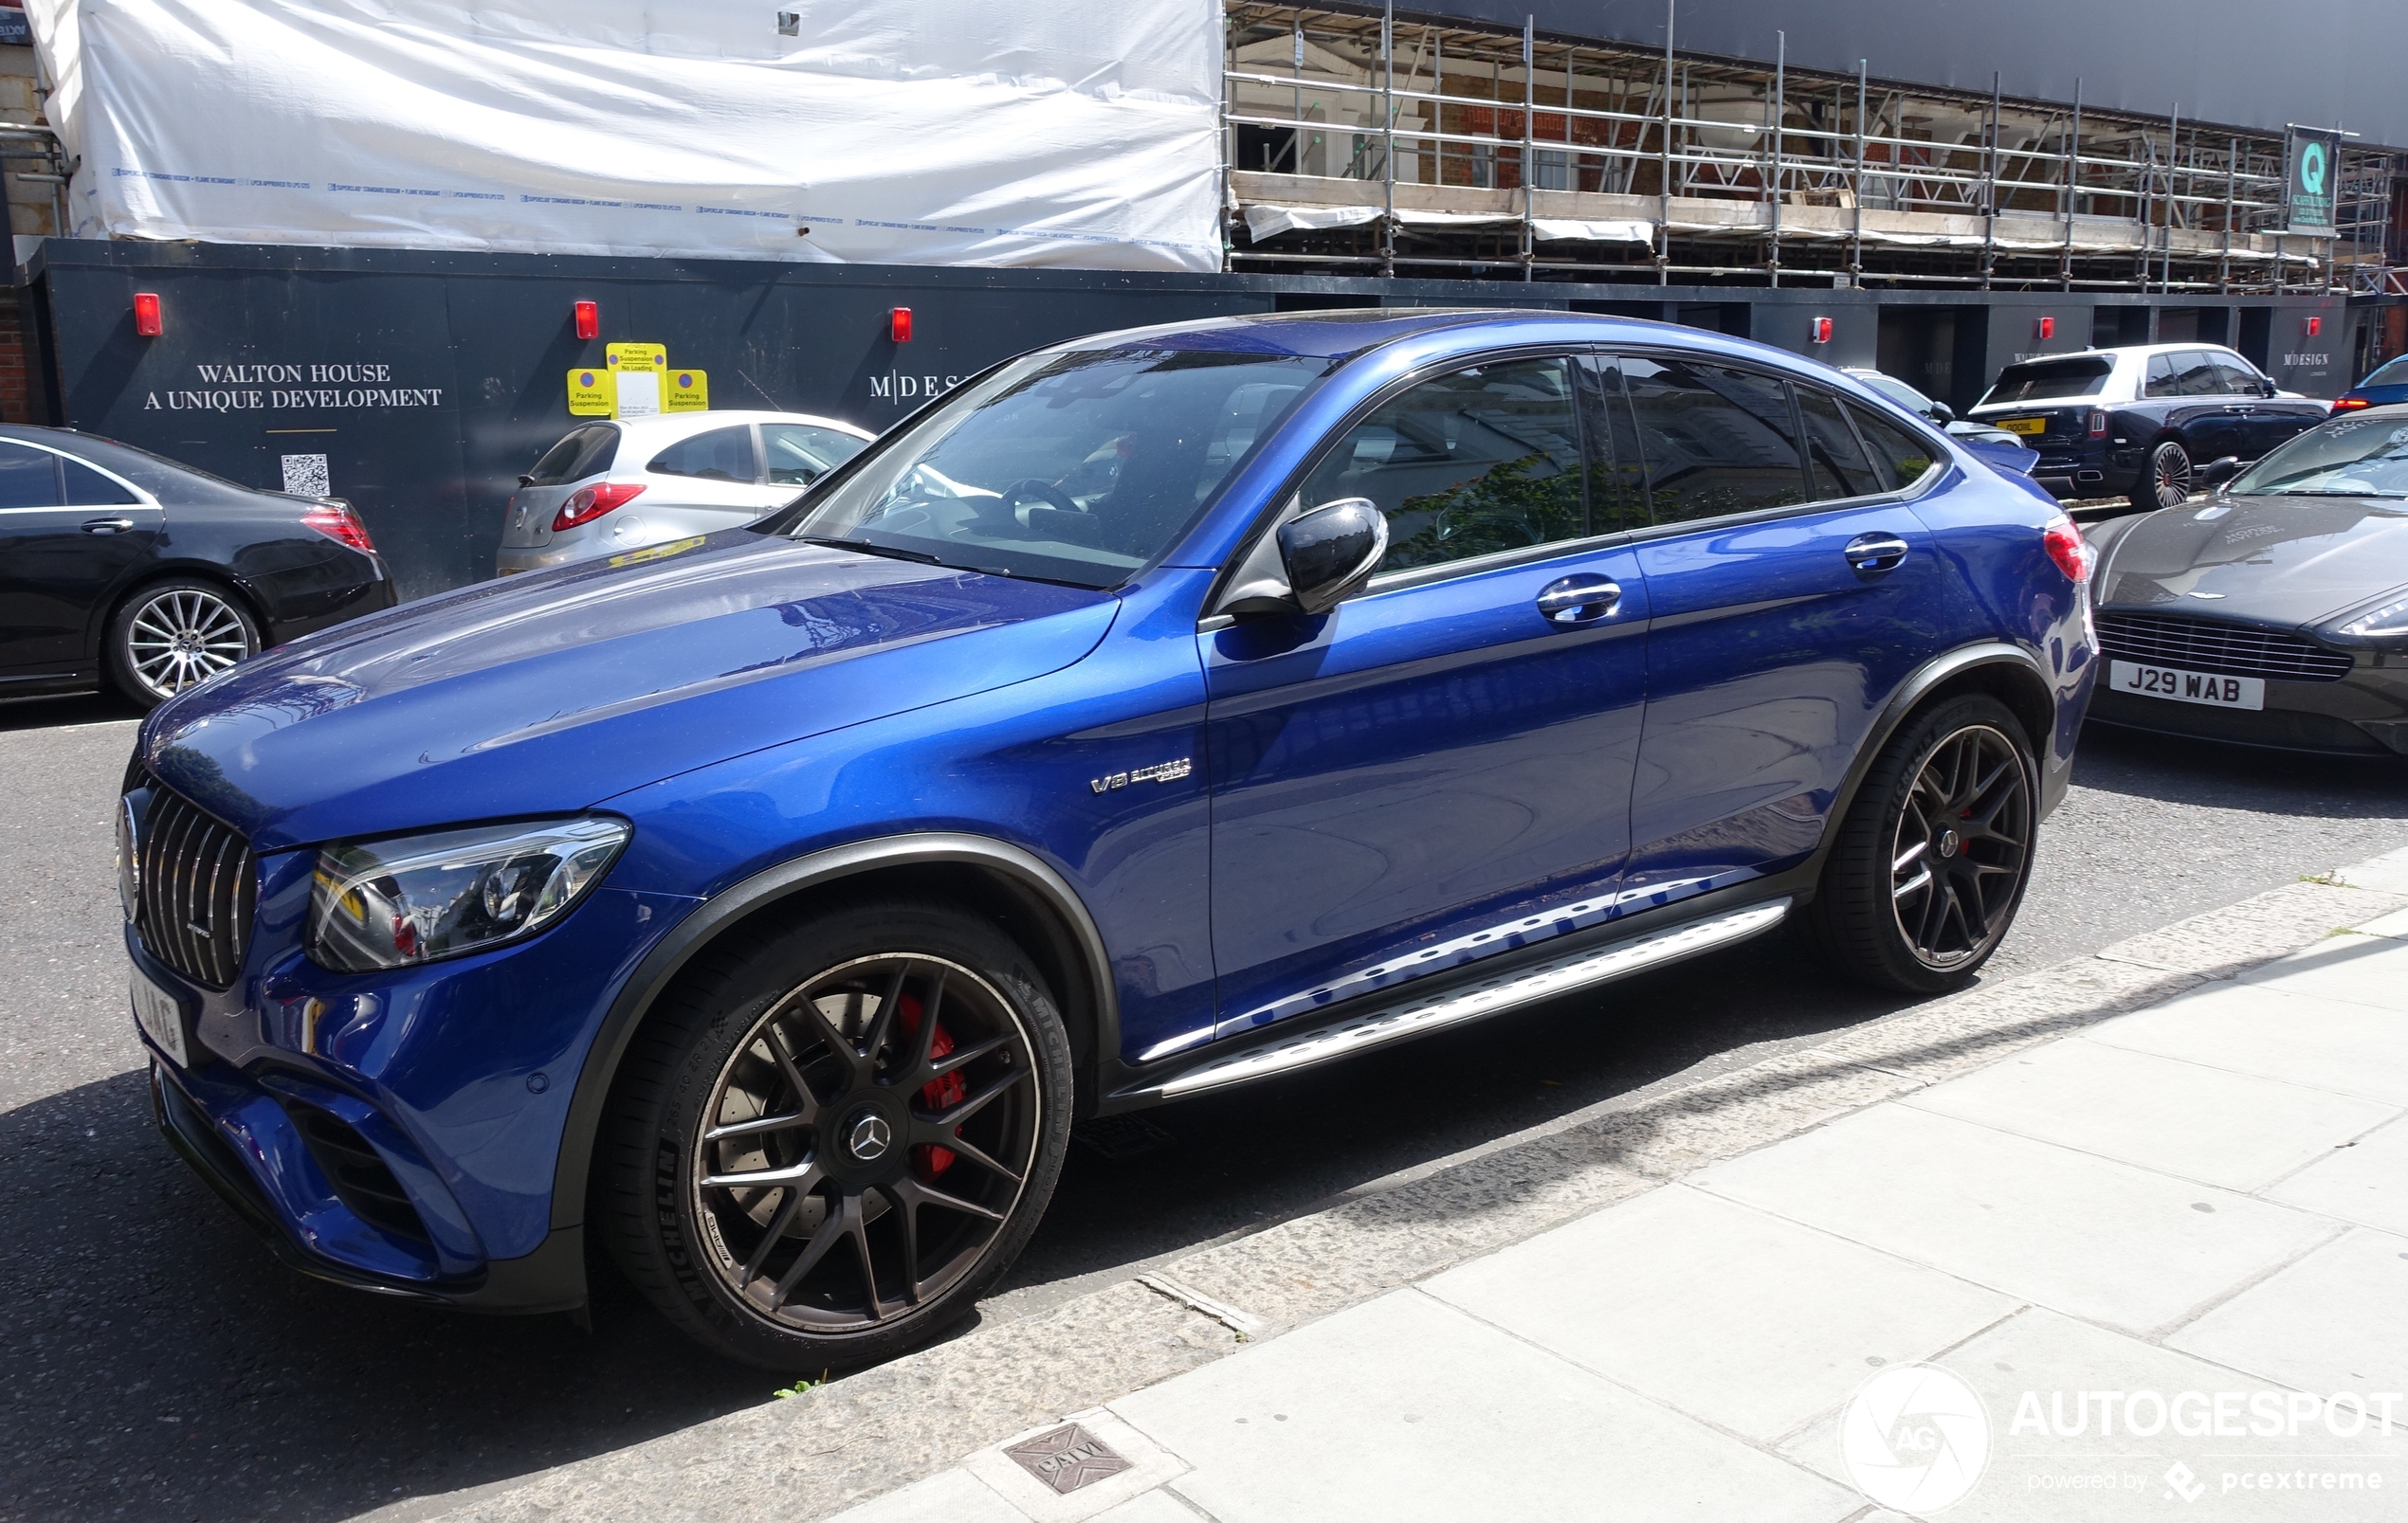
{"x": 107, "y": 526}
{"x": 1584, "y": 599}
{"x": 1876, "y": 552}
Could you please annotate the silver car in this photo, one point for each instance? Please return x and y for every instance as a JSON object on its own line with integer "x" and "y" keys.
{"x": 614, "y": 485}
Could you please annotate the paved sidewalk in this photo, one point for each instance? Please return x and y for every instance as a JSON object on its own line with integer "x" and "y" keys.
{"x": 2154, "y": 1251}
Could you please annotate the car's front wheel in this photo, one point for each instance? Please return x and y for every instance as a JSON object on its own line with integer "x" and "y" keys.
{"x": 2166, "y": 481}
{"x": 171, "y": 635}
{"x": 1933, "y": 858}
{"x": 825, "y": 1145}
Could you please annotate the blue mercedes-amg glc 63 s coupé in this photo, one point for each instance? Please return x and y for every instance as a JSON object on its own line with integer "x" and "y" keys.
{"x": 1162, "y": 711}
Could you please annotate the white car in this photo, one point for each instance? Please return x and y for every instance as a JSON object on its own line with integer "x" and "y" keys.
{"x": 615, "y": 485}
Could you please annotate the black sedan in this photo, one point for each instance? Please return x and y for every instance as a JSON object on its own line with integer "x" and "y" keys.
{"x": 2139, "y": 422}
{"x": 2275, "y": 613}
{"x": 117, "y": 565}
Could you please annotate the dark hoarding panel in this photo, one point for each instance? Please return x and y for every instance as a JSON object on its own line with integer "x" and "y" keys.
{"x": 2225, "y": 62}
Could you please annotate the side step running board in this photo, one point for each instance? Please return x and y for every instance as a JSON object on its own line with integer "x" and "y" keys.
{"x": 1526, "y": 985}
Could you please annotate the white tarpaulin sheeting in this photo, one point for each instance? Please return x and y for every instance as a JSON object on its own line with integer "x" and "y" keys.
{"x": 934, "y": 131}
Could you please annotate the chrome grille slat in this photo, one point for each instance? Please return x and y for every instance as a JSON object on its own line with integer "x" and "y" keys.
{"x": 197, "y": 895}
{"x": 2233, "y": 649}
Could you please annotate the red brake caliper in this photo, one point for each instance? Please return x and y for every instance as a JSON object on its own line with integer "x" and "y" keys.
{"x": 928, "y": 1160}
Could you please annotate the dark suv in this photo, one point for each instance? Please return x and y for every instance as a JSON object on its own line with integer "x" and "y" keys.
{"x": 2137, "y": 421}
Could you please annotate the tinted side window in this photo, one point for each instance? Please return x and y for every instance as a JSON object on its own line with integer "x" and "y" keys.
{"x": 2162, "y": 381}
{"x": 1836, "y": 463}
{"x": 1715, "y": 440}
{"x": 1900, "y": 454}
{"x": 1618, "y": 469}
{"x": 28, "y": 477}
{"x": 2195, "y": 373}
{"x": 2234, "y": 378}
{"x": 721, "y": 455}
{"x": 88, "y": 488}
{"x": 1483, "y": 461}
{"x": 579, "y": 453}
{"x": 800, "y": 454}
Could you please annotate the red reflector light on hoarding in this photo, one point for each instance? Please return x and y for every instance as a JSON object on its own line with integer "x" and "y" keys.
{"x": 1818, "y": 328}
{"x": 2047, "y": 329}
{"x": 337, "y": 520}
{"x": 588, "y": 320}
{"x": 2315, "y": 326}
{"x": 898, "y": 325}
{"x": 146, "y": 314}
{"x": 587, "y": 503}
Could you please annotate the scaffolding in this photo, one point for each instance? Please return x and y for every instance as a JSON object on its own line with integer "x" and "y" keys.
{"x": 1353, "y": 142}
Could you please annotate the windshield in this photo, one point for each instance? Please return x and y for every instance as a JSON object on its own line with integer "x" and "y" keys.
{"x": 2357, "y": 456}
{"x": 2391, "y": 372}
{"x": 2045, "y": 380}
{"x": 1895, "y": 389}
{"x": 1078, "y": 467}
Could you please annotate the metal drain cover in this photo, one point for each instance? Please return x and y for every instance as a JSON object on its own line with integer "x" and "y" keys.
{"x": 1067, "y": 1457}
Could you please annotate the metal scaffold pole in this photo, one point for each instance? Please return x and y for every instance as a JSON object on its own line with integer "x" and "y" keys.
{"x": 1664, "y": 217}
{"x": 1387, "y": 122}
{"x": 1990, "y": 187}
{"x": 2231, "y": 188}
{"x": 1856, "y": 231}
{"x": 2173, "y": 196}
{"x": 1781, "y": 107}
{"x": 1529, "y": 119}
{"x": 2073, "y": 188}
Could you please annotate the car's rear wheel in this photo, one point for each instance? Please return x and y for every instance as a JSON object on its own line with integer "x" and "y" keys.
{"x": 826, "y": 1145}
{"x": 170, "y": 635}
{"x": 1933, "y": 858}
{"x": 2166, "y": 481}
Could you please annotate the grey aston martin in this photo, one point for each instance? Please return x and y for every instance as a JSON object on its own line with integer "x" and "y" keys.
{"x": 2275, "y": 612}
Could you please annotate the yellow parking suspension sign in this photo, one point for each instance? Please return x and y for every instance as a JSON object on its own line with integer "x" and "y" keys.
{"x": 594, "y": 392}
{"x": 636, "y": 357}
{"x": 686, "y": 392}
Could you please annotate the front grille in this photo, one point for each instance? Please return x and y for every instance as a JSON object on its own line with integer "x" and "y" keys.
{"x": 2234, "y": 650}
{"x": 359, "y": 1176}
{"x": 197, "y": 891}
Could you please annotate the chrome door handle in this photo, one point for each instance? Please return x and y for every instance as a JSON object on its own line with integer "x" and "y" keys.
{"x": 1876, "y": 552}
{"x": 107, "y": 526}
{"x": 1579, "y": 599}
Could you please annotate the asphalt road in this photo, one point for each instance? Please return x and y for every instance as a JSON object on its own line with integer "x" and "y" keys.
{"x": 160, "y": 1365}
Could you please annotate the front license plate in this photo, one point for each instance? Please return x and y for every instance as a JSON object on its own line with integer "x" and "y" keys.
{"x": 2024, "y": 426}
{"x": 2187, "y": 687}
{"x": 161, "y": 1018}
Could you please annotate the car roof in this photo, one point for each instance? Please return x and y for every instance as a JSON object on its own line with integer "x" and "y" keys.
{"x": 1343, "y": 333}
{"x": 672, "y": 424}
{"x": 2137, "y": 352}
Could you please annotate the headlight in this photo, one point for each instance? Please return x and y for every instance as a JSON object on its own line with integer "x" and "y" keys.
{"x": 393, "y": 903}
{"x": 2385, "y": 627}
{"x": 129, "y": 857}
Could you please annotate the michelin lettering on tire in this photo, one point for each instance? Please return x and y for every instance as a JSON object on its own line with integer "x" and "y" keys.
{"x": 1915, "y": 1438}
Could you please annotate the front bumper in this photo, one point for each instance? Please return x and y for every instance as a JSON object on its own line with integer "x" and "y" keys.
{"x": 400, "y": 1133}
{"x": 2365, "y": 714}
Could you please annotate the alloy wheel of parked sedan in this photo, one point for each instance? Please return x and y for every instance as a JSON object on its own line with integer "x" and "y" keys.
{"x": 865, "y": 1141}
{"x": 170, "y": 637}
{"x": 1963, "y": 841}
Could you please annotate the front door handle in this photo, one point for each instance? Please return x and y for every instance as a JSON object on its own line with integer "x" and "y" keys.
{"x": 1876, "y": 552}
{"x": 107, "y": 526}
{"x": 1579, "y": 599}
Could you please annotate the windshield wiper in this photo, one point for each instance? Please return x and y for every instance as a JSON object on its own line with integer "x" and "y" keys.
{"x": 868, "y": 548}
{"x": 2328, "y": 491}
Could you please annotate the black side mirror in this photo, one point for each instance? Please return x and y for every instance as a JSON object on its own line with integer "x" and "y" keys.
{"x": 1941, "y": 412}
{"x": 2217, "y": 472}
{"x": 526, "y": 480}
{"x": 1332, "y": 549}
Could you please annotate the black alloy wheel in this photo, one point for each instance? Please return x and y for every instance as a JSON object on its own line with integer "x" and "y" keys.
{"x": 830, "y": 1168}
{"x": 2166, "y": 481}
{"x": 1933, "y": 858}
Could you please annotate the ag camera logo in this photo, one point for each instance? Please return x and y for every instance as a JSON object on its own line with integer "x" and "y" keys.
{"x": 1915, "y": 1439}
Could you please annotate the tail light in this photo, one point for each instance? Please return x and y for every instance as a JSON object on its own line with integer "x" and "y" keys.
{"x": 587, "y": 503}
{"x": 2346, "y": 403}
{"x": 337, "y": 520}
{"x": 2098, "y": 423}
{"x": 2072, "y": 553}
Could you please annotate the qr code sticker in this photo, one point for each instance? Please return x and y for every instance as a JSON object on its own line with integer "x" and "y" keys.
{"x": 306, "y": 475}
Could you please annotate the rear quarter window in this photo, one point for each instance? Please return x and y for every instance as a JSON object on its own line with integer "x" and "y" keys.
{"x": 581, "y": 453}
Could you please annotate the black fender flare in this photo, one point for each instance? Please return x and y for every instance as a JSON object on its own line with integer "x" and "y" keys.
{"x": 1918, "y": 685}
{"x": 816, "y": 869}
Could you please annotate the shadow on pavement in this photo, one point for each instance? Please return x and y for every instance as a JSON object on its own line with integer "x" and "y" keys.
{"x": 2181, "y": 770}
{"x": 43, "y": 713}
